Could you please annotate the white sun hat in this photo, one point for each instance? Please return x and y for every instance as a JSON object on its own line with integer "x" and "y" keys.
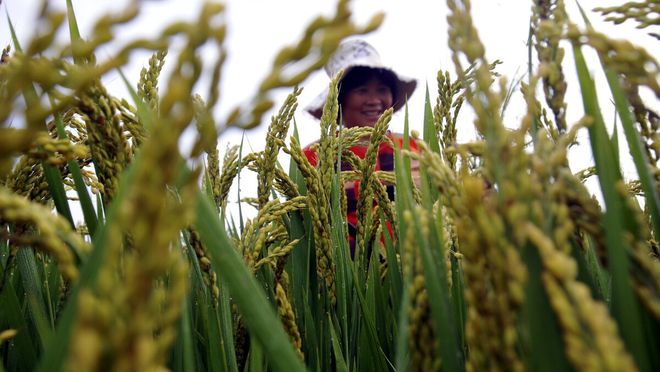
{"x": 353, "y": 53}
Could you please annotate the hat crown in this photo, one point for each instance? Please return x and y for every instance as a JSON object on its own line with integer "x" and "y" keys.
{"x": 352, "y": 53}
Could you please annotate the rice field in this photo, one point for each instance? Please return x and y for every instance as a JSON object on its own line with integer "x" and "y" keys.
{"x": 500, "y": 258}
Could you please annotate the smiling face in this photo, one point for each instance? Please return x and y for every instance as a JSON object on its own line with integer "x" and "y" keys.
{"x": 364, "y": 98}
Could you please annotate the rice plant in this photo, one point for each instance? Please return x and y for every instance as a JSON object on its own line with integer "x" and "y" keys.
{"x": 500, "y": 257}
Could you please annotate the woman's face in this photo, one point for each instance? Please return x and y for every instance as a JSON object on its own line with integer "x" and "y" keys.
{"x": 364, "y": 104}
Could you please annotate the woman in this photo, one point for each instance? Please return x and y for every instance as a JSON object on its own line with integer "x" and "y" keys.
{"x": 366, "y": 90}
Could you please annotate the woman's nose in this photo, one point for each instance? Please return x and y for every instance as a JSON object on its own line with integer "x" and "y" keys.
{"x": 374, "y": 98}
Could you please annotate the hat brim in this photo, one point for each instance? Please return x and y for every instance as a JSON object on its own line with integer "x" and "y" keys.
{"x": 404, "y": 89}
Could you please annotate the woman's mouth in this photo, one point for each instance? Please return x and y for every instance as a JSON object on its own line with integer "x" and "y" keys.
{"x": 372, "y": 113}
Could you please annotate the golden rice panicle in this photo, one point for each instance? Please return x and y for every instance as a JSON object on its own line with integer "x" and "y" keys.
{"x": 422, "y": 343}
{"x": 444, "y": 117}
{"x": 649, "y": 128}
{"x": 494, "y": 278}
{"x": 27, "y": 177}
{"x": 536, "y": 114}
{"x": 645, "y": 13}
{"x": 147, "y": 88}
{"x": 254, "y": 242}
{"x": 266, "y": 229}
{"x": 383, "y": 201}
{"x": 442, "y": 177}
{"x": 107, "y": 144}
{"x": 56, "y": 152}
{"x": 212, "y": 172}
{"x": 353, "y": 136}
{"x": 408, "y": 248}
{"x": 222, "y": 185}
{"x": 366, "y": 195}
{"x": 319, "y": 212}
{"x": 275, "y": 210}
{"x": 590, "y": 334}
{"x": 277, "y": 256}
{"x": 284, "y": 184}
{"x": 28, "y": 180}
{"x": 327, "y": 153}
{"x": 209, "y": 276}
{"x": 548, "y": 22}
{"x": 288, "y": 318}
{"x": 54, "y": 235}
{"x": 134, "y": 129}
{"x": 277, "y": 131}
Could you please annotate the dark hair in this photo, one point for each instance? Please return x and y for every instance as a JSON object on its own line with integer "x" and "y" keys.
{"x": 361, "y": 74}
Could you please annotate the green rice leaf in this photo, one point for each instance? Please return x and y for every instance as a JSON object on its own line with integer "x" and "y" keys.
{"x": 430, "y": 132}
{"x": 337, "y": 352}
{"x": 12, "y": 31}
{"x": 89, "y": 214}
{"x": 183, "y": 348}
{"x": 625, "y": 307}
{"x": 641, "y": 161}
{"x": 374, "y": 345}
{"x": 343, "y": 282}
{"x": 74, "y": 32}
{"x": 22, "y": 351}
{"x": 542, "y": 332}
{"x": 458, "y": 300}
{"x": 435, "y": 278}
{"x": 34, "y": 295}
{"x": 57, "y": 192}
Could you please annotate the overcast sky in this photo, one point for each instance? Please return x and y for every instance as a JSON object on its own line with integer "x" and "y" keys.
{"x": 412, "y": 39}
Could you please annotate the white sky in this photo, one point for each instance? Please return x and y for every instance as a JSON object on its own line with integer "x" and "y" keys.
{"x": 412, "y": 39}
